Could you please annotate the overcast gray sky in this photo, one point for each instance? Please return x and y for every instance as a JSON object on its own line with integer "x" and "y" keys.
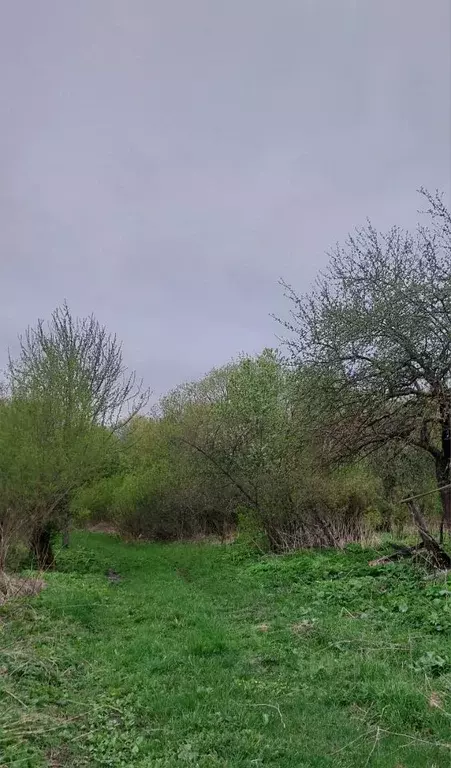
{"x": 164, "y": 162}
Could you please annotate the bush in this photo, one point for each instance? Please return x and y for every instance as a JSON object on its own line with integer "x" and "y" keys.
{"x": 96, "y": 501}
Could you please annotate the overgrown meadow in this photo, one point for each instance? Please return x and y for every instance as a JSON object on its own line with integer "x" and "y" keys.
{"x": 210, "y": 655}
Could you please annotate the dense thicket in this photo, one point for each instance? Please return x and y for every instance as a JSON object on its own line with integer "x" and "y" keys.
{"x": 315, "y": 449}
{"x": 239, "y": 448}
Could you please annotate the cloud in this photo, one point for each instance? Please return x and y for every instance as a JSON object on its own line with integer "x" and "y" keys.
{"x": 164, "y": 163}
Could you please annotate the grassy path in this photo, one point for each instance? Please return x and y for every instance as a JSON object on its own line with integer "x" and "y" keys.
{"x": 201, "y": 656}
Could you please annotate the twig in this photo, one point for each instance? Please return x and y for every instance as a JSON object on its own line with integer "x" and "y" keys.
{"x": 40, "y": 731}
{"x": 376, "y": 741}
{"x": 273, "y": 706}
{"x": 444, "y": 744}
{"x": 443, "y": 711}
{"x": 350, "y": 743}
{"x": 426, "y": 493}
{"x": 13, "y": 695}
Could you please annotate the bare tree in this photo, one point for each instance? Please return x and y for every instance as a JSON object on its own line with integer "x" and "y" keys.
{"x": 376, "y": 332}
{"x": 80, "y": 363}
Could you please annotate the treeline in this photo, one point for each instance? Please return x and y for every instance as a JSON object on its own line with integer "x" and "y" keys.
{"x": 313, "y": 446}
{"x": 241, "y": 448}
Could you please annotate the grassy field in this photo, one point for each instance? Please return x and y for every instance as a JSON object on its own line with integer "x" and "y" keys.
{"x": 208, "y": 656}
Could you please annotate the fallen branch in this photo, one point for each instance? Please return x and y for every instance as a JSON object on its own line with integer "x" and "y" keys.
{"x": 399, "y": 554}
{"x": 429, "y": 546}
{"x": 440, "y": 558}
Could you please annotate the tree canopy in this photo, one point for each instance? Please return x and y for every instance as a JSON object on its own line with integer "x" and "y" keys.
{"x": 376, "y": 332}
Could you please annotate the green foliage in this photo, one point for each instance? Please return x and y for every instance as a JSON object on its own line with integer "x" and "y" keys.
{"x": 59, "y": 425}
{"x": 95, "y": 501}
{"x": 247, "y": 436}
{"x": 251, "y": 536}
{"x": 241, "y": 443}
{"x": 82, "y": 560}
{"x": 200, "y": 658}
{"x": 315, "y": 454}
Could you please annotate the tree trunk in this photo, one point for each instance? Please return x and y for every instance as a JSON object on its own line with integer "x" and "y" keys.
{"x": 445, "y": 497}
{"x": 442, "y": 473}
{"x": 3, "y": 551}
{"x": 41, "y": 547}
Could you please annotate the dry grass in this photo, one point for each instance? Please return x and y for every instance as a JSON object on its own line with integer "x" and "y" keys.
{"x": 14, "y": 587}
{"x": 107, "y": 528}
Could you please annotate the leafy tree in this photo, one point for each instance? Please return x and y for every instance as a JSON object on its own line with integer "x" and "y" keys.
{"x": 69, "y": 396}
{"x": 17, "y": 476}
{"x": 375, "y": 333}
{"x": 231, "y": 419}
{"x": 235, "y": 447}
{"x": 248, "y": 435}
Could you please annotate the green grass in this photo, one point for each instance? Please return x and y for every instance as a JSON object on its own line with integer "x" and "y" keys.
{"x": 209, "y": 656}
